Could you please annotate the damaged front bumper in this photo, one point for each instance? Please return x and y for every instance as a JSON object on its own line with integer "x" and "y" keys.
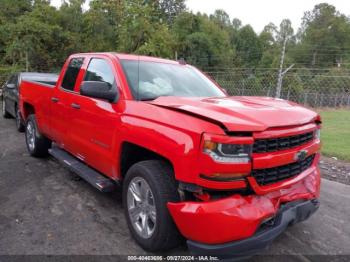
{"x": 288, "y": 214}
{"x": 242, "y": 225}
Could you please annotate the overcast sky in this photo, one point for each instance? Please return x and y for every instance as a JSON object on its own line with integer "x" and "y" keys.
{"x": 259, "y": 13}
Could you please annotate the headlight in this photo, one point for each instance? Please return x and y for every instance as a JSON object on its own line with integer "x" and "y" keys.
{"x": 228, "y": 153}
{"x": 318, "y": 134}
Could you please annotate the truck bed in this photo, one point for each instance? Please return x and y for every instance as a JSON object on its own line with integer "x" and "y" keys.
{"x": 41, "y": 78}
{"x": 37, "y": 89}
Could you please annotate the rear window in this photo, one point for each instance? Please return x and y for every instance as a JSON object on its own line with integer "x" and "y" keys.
{"x": 71, "y": 74}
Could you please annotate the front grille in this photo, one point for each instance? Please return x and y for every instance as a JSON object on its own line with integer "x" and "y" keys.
{"x": 276, "y": 174}
{"x": 281, "y": 143}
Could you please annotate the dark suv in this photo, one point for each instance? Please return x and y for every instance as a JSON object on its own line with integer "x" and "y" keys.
{"x": 10, "y": 94}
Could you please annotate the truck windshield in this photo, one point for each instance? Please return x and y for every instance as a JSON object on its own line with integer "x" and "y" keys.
{"x": 150, "y": 80}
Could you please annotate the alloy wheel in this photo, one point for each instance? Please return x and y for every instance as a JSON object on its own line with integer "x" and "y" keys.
{"x": 141, "y": 207}
{"x": 30, "y": 136}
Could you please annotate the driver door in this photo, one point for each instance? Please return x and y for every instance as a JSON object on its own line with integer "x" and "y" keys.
{"x": 95, "y": 122}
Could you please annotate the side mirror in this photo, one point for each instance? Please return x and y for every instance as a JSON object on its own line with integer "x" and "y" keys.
{"x": 96, "y": 89}
{"x": 10, "y": 86}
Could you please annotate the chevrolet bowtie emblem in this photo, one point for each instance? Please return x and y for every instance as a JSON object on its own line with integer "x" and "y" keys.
{"x": 301, "y": 155}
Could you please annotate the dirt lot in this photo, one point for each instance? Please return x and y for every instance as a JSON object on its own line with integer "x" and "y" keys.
{"x": 45, "y": 210}
{"x": 335, "y": 170}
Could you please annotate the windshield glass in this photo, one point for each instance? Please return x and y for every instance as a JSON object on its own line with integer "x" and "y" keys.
{"x": 149, "y": 80}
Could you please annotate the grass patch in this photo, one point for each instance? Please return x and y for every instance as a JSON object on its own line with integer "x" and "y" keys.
{"x": 335, "y": 133}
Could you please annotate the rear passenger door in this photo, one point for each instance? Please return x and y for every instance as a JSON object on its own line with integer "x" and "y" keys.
{"x": 95, "y": 122}
{"x": 61, "y": 102}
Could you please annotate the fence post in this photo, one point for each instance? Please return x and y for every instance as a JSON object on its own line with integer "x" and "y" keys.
{"x": 315, "y": 104}
{"x": 335, "y": 100}
{"x": 305, "y": 98}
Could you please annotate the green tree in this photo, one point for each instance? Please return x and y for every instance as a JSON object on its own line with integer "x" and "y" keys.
{"x": 202, "y": 41}
{"x": 102, "y": 24}
{"x": 36, "y": 39}
{"x": 170, "y": 9}
{"x": 143, "y": 31}
{"x": 285, "y": 31}
{"x": 10, "y": 10}
{"x": 221, "y": 18}
{"x": 248, "y": 46}
{"x": 324, "y": 35}
{"x": 71, "y": 16}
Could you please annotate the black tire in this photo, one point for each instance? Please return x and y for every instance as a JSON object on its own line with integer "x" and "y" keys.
{"x": 19, "y": 121}
{"x": 5, "y": 114}
{"x": 39, "y": 146}
{"x": 160, "y": 178}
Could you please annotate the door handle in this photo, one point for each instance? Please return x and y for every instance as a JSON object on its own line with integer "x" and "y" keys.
{"x": 75, "y": 106}
{"x": 54, "y": 99}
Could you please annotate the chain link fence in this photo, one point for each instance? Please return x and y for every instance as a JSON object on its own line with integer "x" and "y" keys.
{"x": 307, "y": 87}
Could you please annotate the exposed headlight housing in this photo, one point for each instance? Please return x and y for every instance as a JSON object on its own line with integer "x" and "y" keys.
{"x": 228, "y": 153}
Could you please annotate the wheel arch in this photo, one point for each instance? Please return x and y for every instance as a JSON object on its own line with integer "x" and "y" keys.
{"x": 28, "y": 109}
{"x": 131, "y": 154}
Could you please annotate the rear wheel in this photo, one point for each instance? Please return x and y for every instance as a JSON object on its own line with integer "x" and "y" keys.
{"x": 5, "y": 114}
{"x": 19, "y": 122}
{"x": 147, "y": 188}
{"x": 37, "y": 144}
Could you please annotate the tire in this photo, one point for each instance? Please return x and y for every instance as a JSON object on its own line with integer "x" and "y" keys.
{"x": 19, "y": 121}
{"x": 37, "y": 144}
{"x": 162, "y": 232}
{"x": 5, "y": 114}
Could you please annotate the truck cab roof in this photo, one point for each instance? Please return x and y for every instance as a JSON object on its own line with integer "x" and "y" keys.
{"x": 134, "y": 57}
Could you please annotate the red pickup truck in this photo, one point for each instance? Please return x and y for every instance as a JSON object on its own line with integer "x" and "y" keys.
{"x": 227, "y": 173}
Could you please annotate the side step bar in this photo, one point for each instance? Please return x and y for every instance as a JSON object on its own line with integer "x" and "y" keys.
{"x": 94, "y": 178}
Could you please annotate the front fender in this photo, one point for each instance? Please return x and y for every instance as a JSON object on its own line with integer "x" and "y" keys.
{"x": 178, "y": 146}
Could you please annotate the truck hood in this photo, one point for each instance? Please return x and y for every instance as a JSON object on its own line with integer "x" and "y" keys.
{"x": 241, "y": 114}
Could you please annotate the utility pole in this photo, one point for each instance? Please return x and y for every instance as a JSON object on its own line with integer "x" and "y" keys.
{"x": 280, "y": 73}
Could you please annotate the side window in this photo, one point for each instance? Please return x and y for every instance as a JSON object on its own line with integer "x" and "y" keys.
{"x": 100, "y": 70}
{"x": 71, "y": 74}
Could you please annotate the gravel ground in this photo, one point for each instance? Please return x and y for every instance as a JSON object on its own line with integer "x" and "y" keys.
{"x": 45, "y": 210}
{"x": 335, "y": 170}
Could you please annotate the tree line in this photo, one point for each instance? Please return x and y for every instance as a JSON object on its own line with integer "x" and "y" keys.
{"x": 37, "y": 36}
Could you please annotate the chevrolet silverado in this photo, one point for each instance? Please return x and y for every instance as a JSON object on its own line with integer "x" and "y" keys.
{"x": 229, "y": 174}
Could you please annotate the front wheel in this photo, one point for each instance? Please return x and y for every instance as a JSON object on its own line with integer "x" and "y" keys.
{"x": 37, "y": 144}
{"x": 147, "y": 188}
